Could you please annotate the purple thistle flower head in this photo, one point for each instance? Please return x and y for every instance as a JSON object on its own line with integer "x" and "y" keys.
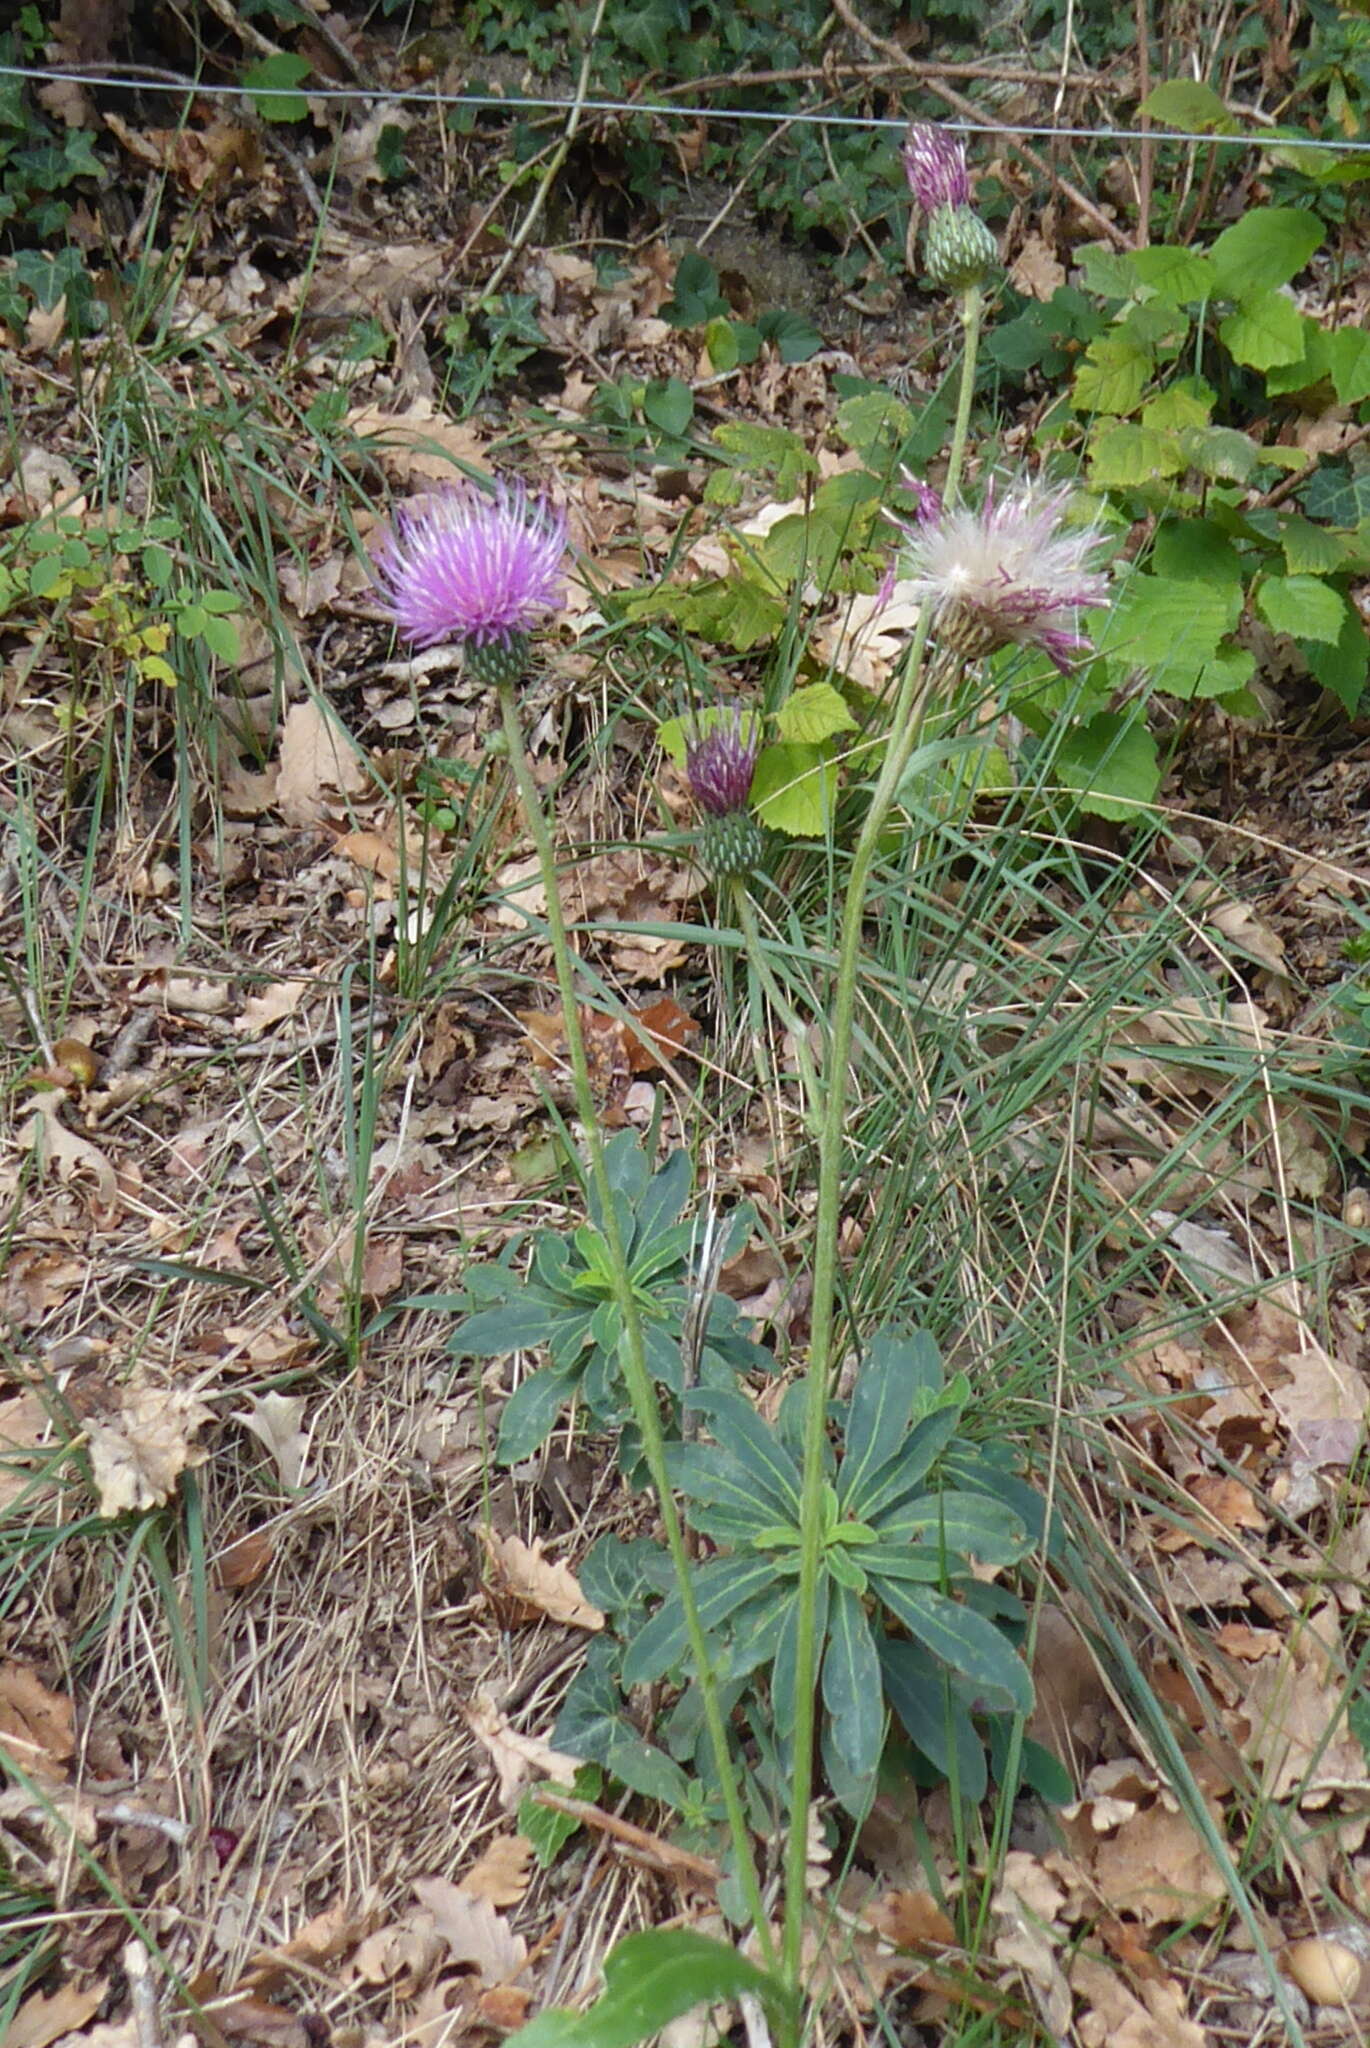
{"x": 935, "y": 163}
{"x": 1007, "y": 574}
{"x": 719, "y": 766}
{"x": 470, "y": 565}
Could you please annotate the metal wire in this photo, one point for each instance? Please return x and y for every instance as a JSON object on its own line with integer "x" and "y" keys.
{"x": 1256, "y": 138}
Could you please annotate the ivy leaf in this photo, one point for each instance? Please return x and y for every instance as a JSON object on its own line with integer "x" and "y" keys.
{"x": 814, "y": 712}
{"x": 1303, "y": 606}
{"x": 794, "y": 788}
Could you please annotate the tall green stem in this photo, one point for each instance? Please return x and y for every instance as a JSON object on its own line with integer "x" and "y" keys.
{"x": 633, "y": 1357}
{"x": 905, "y": 729}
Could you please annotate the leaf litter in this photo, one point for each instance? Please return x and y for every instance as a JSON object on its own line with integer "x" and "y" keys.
{"x": 378, "y": 1709}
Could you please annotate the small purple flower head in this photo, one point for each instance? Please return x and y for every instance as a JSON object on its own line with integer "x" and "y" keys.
{"x": 719, "y": 767}
{"x": 1009, "y": 573}
{"x": 480, "y": 567}
{"x": 935, "y": 161}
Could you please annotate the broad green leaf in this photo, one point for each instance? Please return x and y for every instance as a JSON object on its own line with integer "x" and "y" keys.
{"x": 221, "y": 637}
{"x": 530, "y": 1413}
{"x": 1037, "y": 1767}
{"x": 1342, "y": 669}
{"x": 1263, "y": 250}
{"x": 738, "y": 1427}
{"x": 1113, "y": 375}
{"x": 852, "y": 1691}
{"x": 1170, "y": 626}
{"x": 1111, "y": 762}
{"x": 1220, "y": 452}
{"x": 720, "y": 339}
{"x": 922, "y": 1566}
{"x": 934, "y": 1715}
{"x": 663, "y": 1200}
{"x": 650, "y": 1979}
{"x": 1108, "y": 273}
{"x": 733, "y": 612}
{"x": 1266, "y": 329}
{"x": 794, "y": 788}
{"x": 1187, "y": 404}
{"x": 963, "y": 1640}
{"x": 813, "y": 712}
{"x": 1178, "y": 277}
{"x": 1186, "y": 104}
{"x": 771, "y": 451}
{"x": 875, "y": 424}
{"x": 711, "y": 1476}
{"x": 1126, "y": 457}
{"x": 1302, "y": 606}
{"x": 669, "y": 405}
{"x": 270, "y": 85}
{"x": 1311, "y": 550}
{"x": 793, "y": 338}
{"x": 1349, "y": 355}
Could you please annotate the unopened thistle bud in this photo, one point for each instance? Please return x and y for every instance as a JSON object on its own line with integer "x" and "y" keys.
{"x": 719, "y": 769}
{"x": 958, "y": 248}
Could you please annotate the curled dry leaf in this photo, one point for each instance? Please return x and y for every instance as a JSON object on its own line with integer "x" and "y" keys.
{"x": 44, "y": 2018}
{"x": 516, "y": 1758}
{"x": 476, "y": 1935}
{"x": 274, "y": 1419}
{"x": 37, "y": 1727}
{"x": 268, "y": 1006}
{"x": 138, "y": 1455}
{"x": 500, "y": 1873}
{"x": 521, "y": 1579}
{"x": 53, "y": 1144}
{"x": 320, "y": 765}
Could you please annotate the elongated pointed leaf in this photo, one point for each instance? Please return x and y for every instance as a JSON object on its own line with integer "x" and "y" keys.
{"x": 921, "y": 1567}
{"x": 958, "y": 1523}
{"x": 933, "y": 1712}
{"x": 901, "y": 1476}
{"x": 881, "y": 1404}
{"x": 711, "y": 1475}
{"x": 531, "y": 1411}
{"x": 852, "y": 1692}
{"x": 518, "y": 1323}
{"x": 663, "y": 1199}
{"x": 963, "y": 1640}
{"x": 737, "y": 1425}
{"x": 783, "y": 1670}
{"x": 720, "y": 1587}
{"x": 650, "y": 1979}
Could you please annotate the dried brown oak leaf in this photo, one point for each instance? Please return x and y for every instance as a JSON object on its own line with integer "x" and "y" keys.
{"x": 476, "y": 1935}
{"x": 138, "y": 1454}
{"x": 524, "y": 1585}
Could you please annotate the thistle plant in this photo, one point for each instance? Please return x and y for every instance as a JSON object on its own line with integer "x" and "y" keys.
{"x": 483, "y": 570}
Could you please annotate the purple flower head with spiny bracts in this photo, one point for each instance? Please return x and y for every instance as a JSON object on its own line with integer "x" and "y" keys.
{"x": 481, "y": 567}
{"x": 935, "y": 161}
{"x": 1009, "y": 573}
{"x": 719, "y": 766}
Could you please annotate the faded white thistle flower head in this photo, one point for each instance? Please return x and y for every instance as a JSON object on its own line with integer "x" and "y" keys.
{"x": 1009, "y": 573}
{"x": 479, "y": 567}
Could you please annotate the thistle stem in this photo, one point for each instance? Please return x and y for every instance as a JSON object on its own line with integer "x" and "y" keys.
{"x": 633, "y": 1357}
{"x": 905, "y": 730}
